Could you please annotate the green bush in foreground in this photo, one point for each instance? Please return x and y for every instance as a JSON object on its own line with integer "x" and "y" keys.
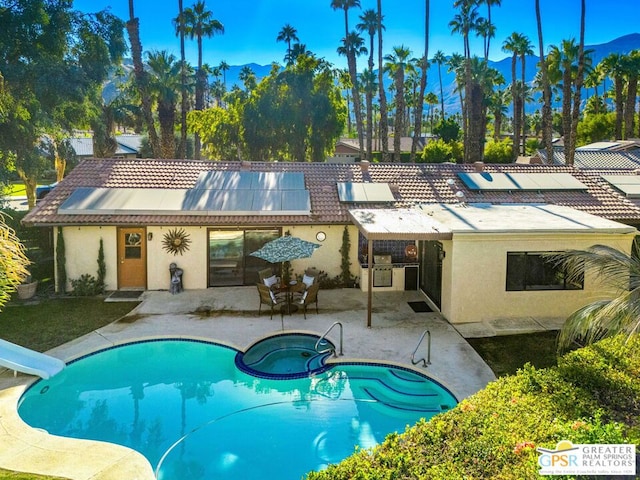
{"x": 592, "y": 396}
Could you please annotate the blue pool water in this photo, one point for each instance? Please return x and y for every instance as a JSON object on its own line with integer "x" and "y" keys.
{"x": 195, "y": 416}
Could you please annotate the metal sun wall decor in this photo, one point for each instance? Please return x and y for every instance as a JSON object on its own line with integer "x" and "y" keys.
{"x": 176, "y": 241}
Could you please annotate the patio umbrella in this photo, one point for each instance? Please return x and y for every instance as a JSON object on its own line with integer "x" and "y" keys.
{"x": 285, "y": 249}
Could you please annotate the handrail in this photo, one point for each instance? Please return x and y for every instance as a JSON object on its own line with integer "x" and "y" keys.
{"x": 324, "y": 337}
{"x": 413, "y": 355}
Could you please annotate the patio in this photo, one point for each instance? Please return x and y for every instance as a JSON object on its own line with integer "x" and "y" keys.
{"x": 229, "y": 315}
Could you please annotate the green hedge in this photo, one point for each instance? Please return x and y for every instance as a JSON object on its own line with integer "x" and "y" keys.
{"x": 590, "y": 397}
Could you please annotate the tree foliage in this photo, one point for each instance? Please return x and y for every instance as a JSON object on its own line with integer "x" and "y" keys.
{"x": 13, "y": 262}
{"x": 53, "y": 58}
{"x": 294, "y": 114}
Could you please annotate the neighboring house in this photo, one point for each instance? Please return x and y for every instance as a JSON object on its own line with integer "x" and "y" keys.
{"x": 470, "y": 236}
{"x": 597, "y": 158}
{"x": 350, "y": 148}
{"x": 128, "y": 146}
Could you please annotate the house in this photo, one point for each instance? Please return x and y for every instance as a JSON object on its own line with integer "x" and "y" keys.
{"x": 472, "y": 237}
{"x": 350, "y": 148}
{"x": 128, "y": 146}
{"x": 597, "y": 158}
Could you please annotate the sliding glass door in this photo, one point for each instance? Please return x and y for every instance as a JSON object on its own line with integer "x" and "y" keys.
{"x": 230, "y": 262}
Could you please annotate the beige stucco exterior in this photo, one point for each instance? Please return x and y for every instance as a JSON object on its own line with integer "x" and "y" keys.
{"x": 82, "y": 245}
{"x": 474, "y": 276}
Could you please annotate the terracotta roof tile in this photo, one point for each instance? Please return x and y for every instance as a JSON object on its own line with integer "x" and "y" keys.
{"x": 410, "y": 184}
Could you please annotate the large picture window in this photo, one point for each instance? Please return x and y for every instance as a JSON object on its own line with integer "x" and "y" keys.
{"x": 532, "y": 271}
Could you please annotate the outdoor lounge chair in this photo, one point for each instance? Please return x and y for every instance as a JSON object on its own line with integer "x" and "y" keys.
{"x": 309, "y": 297}
{"x": 267, "y": 277}
{"x": 309, "y": 278}
{"x": 268, "y": 297}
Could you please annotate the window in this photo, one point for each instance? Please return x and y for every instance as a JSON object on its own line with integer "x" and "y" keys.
{"x": 532, "y": 271}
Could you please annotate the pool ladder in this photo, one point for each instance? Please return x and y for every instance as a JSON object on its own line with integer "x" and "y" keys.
{"x": 324, "y": 337}
{"x": 413, "y": 355}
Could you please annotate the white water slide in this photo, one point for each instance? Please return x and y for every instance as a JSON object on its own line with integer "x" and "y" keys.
{"x": 24, "y": 360}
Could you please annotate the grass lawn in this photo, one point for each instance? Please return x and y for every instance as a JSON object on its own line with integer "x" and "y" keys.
{"x": 55, "y": 321}
{"x": 507, "y": 353}
{"x": 16, "y": 189}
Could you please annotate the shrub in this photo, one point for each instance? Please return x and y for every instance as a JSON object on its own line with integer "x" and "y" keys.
{"x": 498, "y": 152}
{"x": 590, "y": 397}
{"x": 85, "y": 286}
{"x": 437, "y": 151}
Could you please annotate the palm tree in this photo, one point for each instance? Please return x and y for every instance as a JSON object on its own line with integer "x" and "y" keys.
{"x": 613, "y": 65}
{"x": 431, "y": 99}
{"x": 489, "y": 4}
{"x": 498, "y": 102}
{"x": 199, "y": 23}
{"x": 248, "y": 78}
{"x": 180, "y": 31}
{"x": 352, "y": 46}
{"x": 512, "y": 45}
{"x": 547, "y": 113}
{"x": 369, "y": 24}
{"x": 384, "y": 125}
{"x": 525, "y": 48}
{"x": 440, "y": 59}
{"x": 224, "y": 67}
{"x": 424, "y": 65}
{"x": 287, "y": 34}
{"x": 577, "y": 95}
{"x": 133, "y": 29}
{"x": 617, "y": 272}
{"x": 164, "y": 83}
{"x": 464, "y": 23}
{"x": 397, "y": 63}
{"x": 369, "y": 86}
{"x": 456, "y": 65}
{"x": 631, "y": 65}
{"x": 486, "y": 30}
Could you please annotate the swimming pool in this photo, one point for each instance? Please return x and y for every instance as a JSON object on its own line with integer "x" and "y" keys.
{"x": 185, "y": 406}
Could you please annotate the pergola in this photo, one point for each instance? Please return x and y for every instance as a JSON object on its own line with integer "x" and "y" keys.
{"x": 394, "y": 224}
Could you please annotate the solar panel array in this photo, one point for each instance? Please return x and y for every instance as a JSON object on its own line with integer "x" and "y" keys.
{"x": 215, "y": 193}
{"x": 627, "y": 184}
{"x": 486, "y": 181}
{"x": 351, "y": 192}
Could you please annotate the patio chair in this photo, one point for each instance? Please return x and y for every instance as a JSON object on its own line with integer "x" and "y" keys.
{"x": 268, "y": 297}
{"x": 268, "y": 278}
{"x": 309, "y": 297}
{"x": 309, "y": 278}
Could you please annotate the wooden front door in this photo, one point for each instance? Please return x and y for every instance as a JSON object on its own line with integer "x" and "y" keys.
{"x": 132, "y": 258}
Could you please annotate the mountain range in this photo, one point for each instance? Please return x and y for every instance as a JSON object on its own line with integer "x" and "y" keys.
{"x": 621, "y": 45}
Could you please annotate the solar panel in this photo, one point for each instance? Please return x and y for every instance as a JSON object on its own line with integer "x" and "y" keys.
{"x": 486, "y": 181}
{"x": 215, "y": 193}
{"x": 351, "y": 192}
{"x": 627, "y": 184}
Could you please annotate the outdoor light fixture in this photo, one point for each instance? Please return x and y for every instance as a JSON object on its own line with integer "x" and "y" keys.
{"x": 150, "y": 236}
{"x": 321, "y": 236}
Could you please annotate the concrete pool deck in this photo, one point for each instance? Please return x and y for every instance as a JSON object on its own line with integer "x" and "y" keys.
{"x": 230, "y": 316}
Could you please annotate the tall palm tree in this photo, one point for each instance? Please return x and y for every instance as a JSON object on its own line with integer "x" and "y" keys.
{"x": 164, "y": 85}
{"x": 133, "y": 29}
{"x": 424, "y": 65}
{"x": 486, "y": 30}
{"x": 613, "y": 65}
{"x": 440, "y": 59}
{"x": 352, "y": 44}
{"x": 382, "y": 100}
{"x": 577, "y": 95}
{"x": 498, "y": 102}
{"x": 199, "y": 23}
{"x": 180, "y": 31}
{"x": 512, "y": 45}
{"x": 525, "y": 48}
{"x": 397, "y": 63}
{"x": 287, "y": 34}
{"x": 464, "y": 23}
{"x": 369, "y": 83}
{"x": 224, "y": 68}
{"x": 352, "y": 47}
{"x": 456, "y": 65}
{"x": 489, "y": 4}
{"x": 369, "y": 23}
{"x": 547, "y": 113}
{"x": 248, "y": 78}
{"x": 631, "y": 65}
{"x": 617, "y": 272}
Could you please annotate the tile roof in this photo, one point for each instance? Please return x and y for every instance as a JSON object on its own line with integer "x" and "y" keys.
{"x": 599, "y": 158}
{"x": 411, "y": 184}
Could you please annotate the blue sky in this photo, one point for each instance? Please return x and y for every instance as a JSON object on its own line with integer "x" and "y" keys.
{"x": 251, "y": 26}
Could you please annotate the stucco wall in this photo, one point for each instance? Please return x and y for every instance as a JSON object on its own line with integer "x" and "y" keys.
{"x": 82, "y": 245}
{"x": 474, "y": 277}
